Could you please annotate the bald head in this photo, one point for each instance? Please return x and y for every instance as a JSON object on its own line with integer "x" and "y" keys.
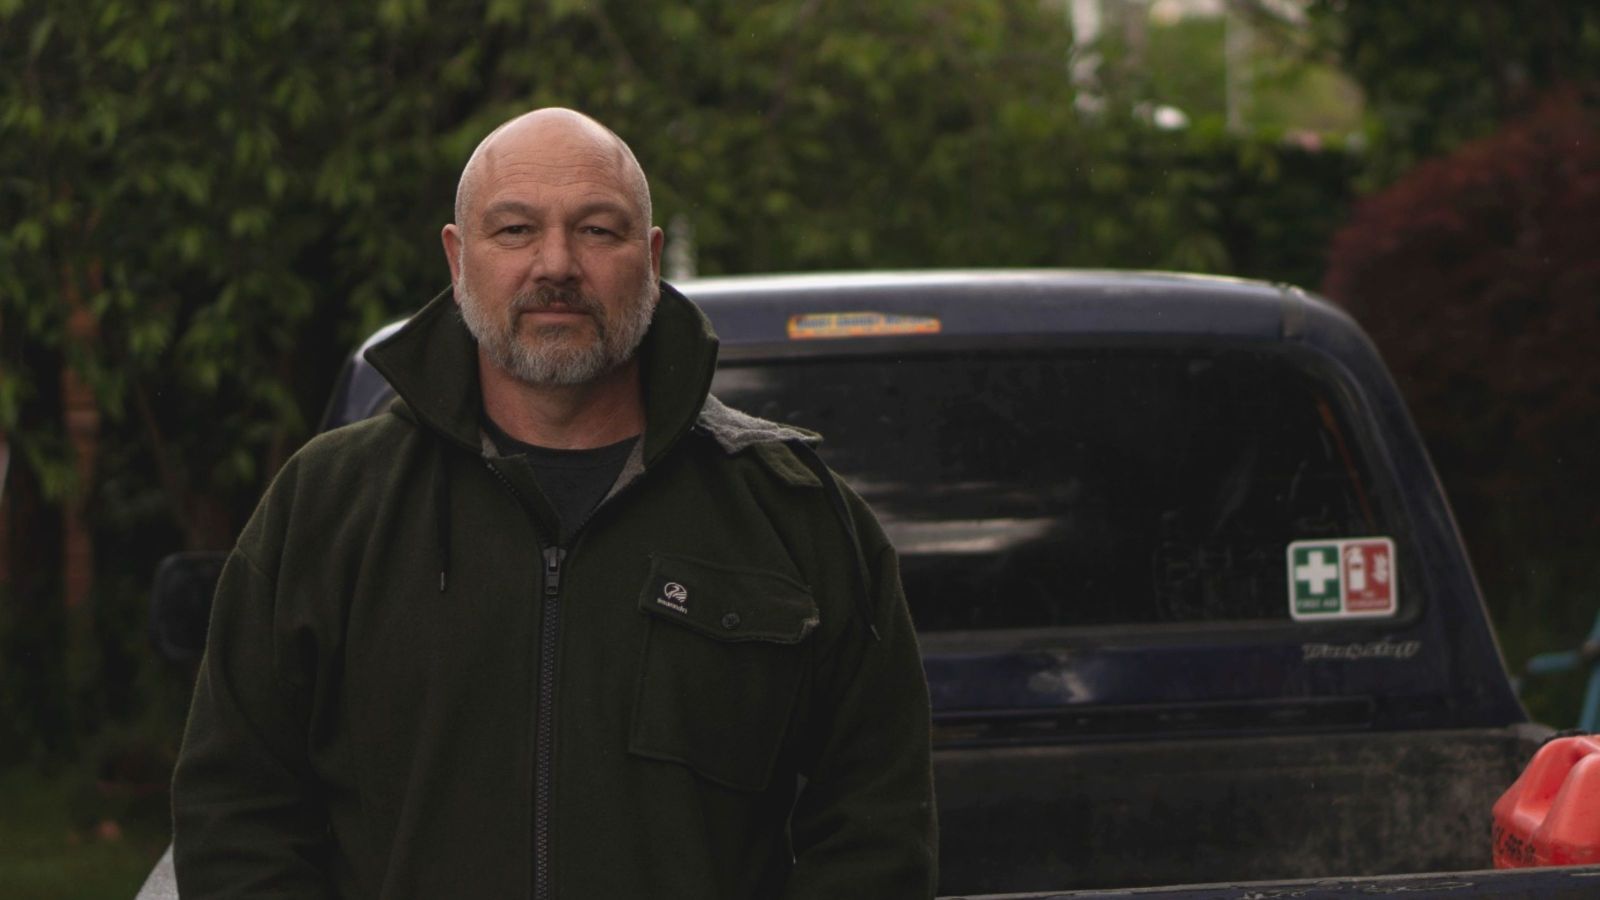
{"x": 553, "y": 260}
{"x": 556, "y": 130}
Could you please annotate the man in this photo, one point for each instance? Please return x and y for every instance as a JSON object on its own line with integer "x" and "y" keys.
{"x": 559, "y": 624}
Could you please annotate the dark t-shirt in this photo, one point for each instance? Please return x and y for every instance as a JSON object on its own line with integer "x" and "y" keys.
{"x": 574, "y": 481}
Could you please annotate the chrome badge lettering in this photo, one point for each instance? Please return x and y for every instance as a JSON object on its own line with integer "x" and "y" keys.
{"x": 1384, "y": 649}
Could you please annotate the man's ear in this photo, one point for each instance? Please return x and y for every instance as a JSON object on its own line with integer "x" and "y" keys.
{"x": 657, "y": 239}
{"x": 451, "y": 237}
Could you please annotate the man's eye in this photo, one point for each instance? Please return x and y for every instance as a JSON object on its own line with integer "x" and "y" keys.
{"x": 514, "y": 229}
{"x": 597, "y": 230}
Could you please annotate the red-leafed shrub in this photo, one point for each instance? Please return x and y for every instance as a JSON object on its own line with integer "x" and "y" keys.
{"x": 1478, "y": 275}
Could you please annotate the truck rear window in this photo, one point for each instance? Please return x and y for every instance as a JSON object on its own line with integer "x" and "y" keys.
{"x": 1082, "y": 488}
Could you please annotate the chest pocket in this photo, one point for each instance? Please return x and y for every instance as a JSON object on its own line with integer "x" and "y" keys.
{"x": 721, "y": 664}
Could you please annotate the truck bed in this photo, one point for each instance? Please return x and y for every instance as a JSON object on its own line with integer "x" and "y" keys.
{"x": 1571, "y": 883}
{"x": 1222, "y": 809}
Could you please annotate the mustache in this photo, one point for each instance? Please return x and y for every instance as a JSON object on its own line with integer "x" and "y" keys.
{"x": 550, "y": 297}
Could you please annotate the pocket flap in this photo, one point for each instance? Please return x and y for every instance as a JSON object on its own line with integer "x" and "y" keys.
{"x": 728, "y": 603}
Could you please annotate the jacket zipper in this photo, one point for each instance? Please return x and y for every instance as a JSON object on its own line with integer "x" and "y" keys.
{"x": 554, "y": 556}
{"x": 544, "y": 727}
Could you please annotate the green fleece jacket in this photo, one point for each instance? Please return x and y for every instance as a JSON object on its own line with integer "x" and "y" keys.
{"x": 415, "y": 686}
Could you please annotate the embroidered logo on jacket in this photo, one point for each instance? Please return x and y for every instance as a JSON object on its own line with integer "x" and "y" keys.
{"x": 674, "y": 596}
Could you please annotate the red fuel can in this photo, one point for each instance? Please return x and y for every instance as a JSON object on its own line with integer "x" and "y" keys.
{"x": 1551, "y": 815}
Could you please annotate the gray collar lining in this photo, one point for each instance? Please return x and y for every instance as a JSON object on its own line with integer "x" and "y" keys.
{"x": 735, "y": 430}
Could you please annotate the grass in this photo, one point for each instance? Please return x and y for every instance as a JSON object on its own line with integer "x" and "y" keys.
{"x": 57, "y": 839}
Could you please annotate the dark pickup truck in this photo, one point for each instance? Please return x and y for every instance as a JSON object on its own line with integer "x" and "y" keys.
{"x": 1192, "y": 605}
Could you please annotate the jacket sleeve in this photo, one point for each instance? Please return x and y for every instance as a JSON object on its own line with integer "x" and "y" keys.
{"x": 247, "y": 818}
{"x": 864, "y": 825}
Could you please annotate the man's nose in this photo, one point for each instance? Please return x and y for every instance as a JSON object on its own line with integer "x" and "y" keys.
{"x": 553, "y": 257}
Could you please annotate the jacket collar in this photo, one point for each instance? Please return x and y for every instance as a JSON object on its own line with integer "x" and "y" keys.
{"x": 432, "y": 363}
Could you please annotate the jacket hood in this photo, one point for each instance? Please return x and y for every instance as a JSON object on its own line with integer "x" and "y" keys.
{"x": 432, "y": 364}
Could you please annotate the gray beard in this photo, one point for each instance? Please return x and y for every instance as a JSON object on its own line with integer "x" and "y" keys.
{"x": 552, "y": 358}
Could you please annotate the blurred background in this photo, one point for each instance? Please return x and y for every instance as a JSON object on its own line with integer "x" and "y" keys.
{"x": 204, "y": 204}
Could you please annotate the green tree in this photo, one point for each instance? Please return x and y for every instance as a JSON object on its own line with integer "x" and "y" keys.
{"x": 1437, "y": 74}
{"x": 205, "y": 203}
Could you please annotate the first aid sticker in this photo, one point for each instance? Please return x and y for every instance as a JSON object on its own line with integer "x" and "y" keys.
{"x": 1344, "y": 578}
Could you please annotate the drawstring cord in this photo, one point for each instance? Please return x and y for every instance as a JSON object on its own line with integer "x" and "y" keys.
{"x": 812, "y": 461}
{"x": 441, "y": 511}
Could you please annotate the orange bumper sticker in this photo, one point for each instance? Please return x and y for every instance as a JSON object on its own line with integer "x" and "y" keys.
{"x": 858, "y": 324}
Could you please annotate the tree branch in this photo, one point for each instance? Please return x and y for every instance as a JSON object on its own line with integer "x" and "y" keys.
{"x": 172, "y": 481}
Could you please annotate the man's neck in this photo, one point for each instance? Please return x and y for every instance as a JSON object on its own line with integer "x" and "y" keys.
{"x": 565, "y": 417}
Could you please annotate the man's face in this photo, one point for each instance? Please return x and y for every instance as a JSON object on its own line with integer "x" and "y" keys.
{"x": 554, "y": 268}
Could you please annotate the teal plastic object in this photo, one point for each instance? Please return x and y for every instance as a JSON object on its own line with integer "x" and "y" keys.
{"x": 1588, "y": 654}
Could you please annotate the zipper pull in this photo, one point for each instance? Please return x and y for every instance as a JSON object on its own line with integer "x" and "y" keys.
{"x": 552, "y": 569}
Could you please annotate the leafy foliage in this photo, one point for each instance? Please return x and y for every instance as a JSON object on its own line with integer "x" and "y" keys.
{"x": 1437, "y": 74}
{"x": 236, "y": 189}
{"x": 188, "y": 173}
{"x": 232, "y": 192}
